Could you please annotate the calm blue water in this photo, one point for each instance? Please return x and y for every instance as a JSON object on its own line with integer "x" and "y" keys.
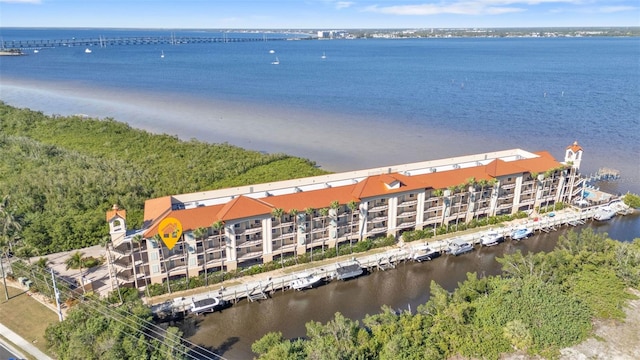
{"x": 469, "y": 95}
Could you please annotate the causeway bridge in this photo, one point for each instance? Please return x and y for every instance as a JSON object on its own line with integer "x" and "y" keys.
{"x": 118, "y": 41}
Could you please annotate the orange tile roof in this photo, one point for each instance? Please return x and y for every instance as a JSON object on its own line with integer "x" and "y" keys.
{"x": 575, "y": 147}
{"x": 243, "y": 207}
{"x": 316, "y": 199}
{"x": 190, "y": 219}
{"x": 115, "y": 211}
{"x": 247, "y": 207}
{"x": 540, "y": 164}
{"x": 500, "y": 167}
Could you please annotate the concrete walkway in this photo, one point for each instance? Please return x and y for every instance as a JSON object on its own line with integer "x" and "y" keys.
{"x": 22, "y": 344}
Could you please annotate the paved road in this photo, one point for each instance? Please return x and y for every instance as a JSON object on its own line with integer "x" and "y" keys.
{"x": 21, "y": 343}
{"x": 7, "y": 353}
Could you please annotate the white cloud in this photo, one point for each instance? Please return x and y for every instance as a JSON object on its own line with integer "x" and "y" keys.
{"x": 615, "y": 9}
{"x": 466, "y": 7}
{"x": 22, "y": 1}
{"x": 344, "y": 4}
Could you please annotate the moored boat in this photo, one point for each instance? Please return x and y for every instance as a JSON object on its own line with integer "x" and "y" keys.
{"x": 491, "y": 238}
{"x": 305, "y": 281}
{"x": 424, "y": 253}
{"x": 604, "y": 213}
{"x": 351, "y": 270}
{"x": 210, "y": 304}
{"x": 459, "y": 247}
{"x": 522, "y": 232}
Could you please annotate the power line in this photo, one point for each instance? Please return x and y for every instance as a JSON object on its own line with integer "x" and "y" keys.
{"x": 112, "y": 313}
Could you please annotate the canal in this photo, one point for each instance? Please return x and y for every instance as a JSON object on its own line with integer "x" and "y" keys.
{"x": 231, "y": 332}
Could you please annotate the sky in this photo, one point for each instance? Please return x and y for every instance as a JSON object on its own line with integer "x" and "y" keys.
{"x": 318, "y": 14}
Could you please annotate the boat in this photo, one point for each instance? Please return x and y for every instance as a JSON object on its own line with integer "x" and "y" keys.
{"x": 521, "y": 232}
{"x": 162, "y": 54}
{"x": 305, "y": 281}
{"x": 206, "y": 305}
{"x": 424, "y": 253}
{"x": 604, "y": 213}
{"x": 324, "y": 56}
{"x": 272, "y": 51}
{"x": 491, "y": 238}
{"x": 276, "y": 61}
{"x": 87, "y": 51}
{"x": 352, "y": 270}
{"x": 459, "y": 247}
{"x": 36, "y": 51}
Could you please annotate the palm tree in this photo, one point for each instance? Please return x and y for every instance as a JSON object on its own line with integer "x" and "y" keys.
{"x": 335, "y": 206}
{"x": 4, "y": 249}
{"x": 75, "y": 261}
{"x": 27, "y": 252}
{"x": 309, "y": 211}
{"x": 294, "y": 214}
{"x": 106, "y": 242}
{"x": 199, "y": 233}
{"x": 217, "y": 227}
{"x": 324, "y": 212}
{"x": 10, "y": 227}
{"x": 352, "y": 205}
{"x": 278, "y": 213}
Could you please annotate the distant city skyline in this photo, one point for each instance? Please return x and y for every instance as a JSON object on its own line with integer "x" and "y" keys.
{"x": 318, "y": 14}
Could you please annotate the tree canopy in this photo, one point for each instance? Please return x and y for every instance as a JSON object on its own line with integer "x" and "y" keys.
{"x": 541, "y": 303}
{"x": 65, "y": 172}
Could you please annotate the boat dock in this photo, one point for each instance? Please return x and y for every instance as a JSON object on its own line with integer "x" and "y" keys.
{"x": 258, "y": 287}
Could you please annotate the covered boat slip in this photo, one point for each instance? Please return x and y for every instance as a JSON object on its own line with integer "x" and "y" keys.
{"x": 348, "y": 271}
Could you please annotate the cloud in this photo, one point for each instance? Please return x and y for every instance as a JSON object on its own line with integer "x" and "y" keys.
{"x": 615, "y": 9}
{"x": 343, "y": 4}
{"x": 22, "y": 1}
{"x": 466, "y": 7}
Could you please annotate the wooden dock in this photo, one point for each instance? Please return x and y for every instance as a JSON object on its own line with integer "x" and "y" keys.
{"x": 259, "y": 287}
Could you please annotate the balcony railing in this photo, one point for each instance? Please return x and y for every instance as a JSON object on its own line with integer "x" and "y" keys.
{"x": 375, "y": 231}
{"x": 508, "y": 186}
{"x": 253, "y": 230}
{"x": 378, "y": 219}
{"x": 249, "y": 243}
{"x": 379, "y": 208}
{"x": 407, "y": 203}
{"x": 406, "y": 225}
{"x": 406, "y": 214}
{"x": 283, "y": 236}
{"x": 249, "y": 256}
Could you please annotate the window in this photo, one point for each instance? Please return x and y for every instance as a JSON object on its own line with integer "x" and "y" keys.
{"x": 236, "y": 226}
{"x": 155, "y": 269}
{"x": 154, "y": 255}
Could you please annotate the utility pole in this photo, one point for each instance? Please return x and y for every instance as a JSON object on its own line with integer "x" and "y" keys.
{"x": 4, "y": 279}
{"x": 57, "y": 295}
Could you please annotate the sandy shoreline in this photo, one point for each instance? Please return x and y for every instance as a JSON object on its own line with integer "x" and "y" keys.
{"x": 337, "y": 142}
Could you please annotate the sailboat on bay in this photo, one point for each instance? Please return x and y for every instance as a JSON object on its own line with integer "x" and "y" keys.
{"x": 324, "y": 56}
{"x": 276, "y": 61}
{"x": 162, "y": 54}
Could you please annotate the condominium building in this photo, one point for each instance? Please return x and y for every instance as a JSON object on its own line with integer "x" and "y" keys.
{"x": 238, "y": 227}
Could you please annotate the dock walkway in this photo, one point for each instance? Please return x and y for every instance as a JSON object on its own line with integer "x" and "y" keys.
{"x": 258, "y": 287}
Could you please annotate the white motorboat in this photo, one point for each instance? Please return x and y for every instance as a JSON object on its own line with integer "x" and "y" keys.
{"x": 459, "y": 247}
{"x": 491, "y": 238}
{"x": 209, "y": 304}
{"x": 424, "y": 253}
{"x": 522, "y": 232}
{"x": 604, "y": 213}
{"x": 87, "y": 51}
{"x": 305, "y": 281}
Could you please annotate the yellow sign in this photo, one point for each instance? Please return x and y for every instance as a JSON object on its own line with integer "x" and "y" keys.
{"x": 170, "y": 230}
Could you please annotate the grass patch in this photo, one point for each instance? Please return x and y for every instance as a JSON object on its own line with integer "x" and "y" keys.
{"x": 26, "y": 317}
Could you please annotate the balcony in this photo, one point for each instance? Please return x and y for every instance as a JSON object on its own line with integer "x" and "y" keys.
{"x": 406, "y": 214}
{"x": 376, "y": 231}
{"x": 508, "y": 186}
{"x": 283, "y": 236}
{"x": 123, "y": 262}
{"x": 249, "y": 231}
{"x": 285, "y": 248}
{"x": 249, "y": 256}
{"x": 378, "y": 208}
{"x": 378, "y": 219}
{"x": 408, "y": 203}
{"x": 406, "y": 225}
{"x": 249, "y": 243}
